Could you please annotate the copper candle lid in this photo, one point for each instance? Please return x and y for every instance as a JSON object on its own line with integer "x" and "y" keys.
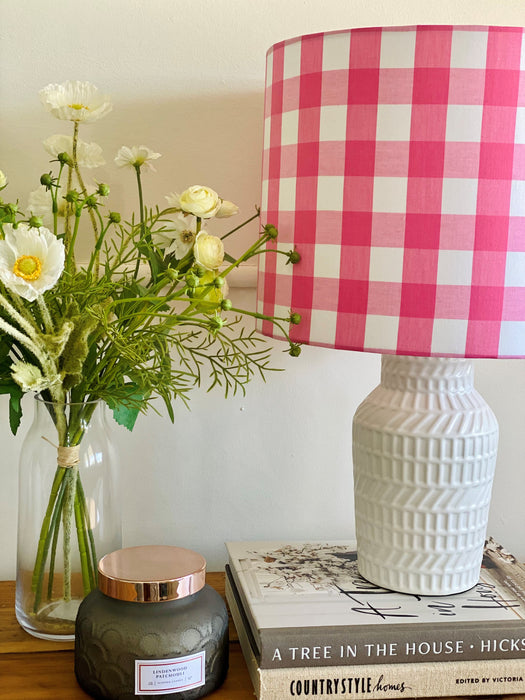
{"x": 151, "y": 573}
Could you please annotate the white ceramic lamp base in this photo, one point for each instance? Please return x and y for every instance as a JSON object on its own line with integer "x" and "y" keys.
{"x": 424, "y": 451}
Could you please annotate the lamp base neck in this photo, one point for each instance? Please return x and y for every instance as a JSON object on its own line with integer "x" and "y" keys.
{"x": 427, "y": 374}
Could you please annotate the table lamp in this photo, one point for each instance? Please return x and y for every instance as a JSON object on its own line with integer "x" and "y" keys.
{"x": 394, "y": 164}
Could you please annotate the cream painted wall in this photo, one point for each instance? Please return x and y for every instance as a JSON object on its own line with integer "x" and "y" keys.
{"x": 187, "y": 80}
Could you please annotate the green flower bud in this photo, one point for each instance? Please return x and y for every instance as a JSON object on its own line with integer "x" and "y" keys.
{"x": 10, "y": 209}
{"x": 35, "y": 222}
{"x": 190, "y": 292}
{"x": 199, "y": 271}
{"x": 191, "y": 279}
{"x": 216, "y": 323}
{"x": 102, "y": 189}
{"x": 295, "y": 318}
{"x": 295, "y": 350}
{"x": 71, "y": 196}
{"x": 91, "y": 201}
{"x": 271, "y": 231}
{"x": 114, "y": 217}
{"x": 65, "y": 159}
{"x": 46, "y": 180}
{"x": 293, "y": 257}
{"x": 172, "y": 274}
{"x": 226, "y": 305}
{"x": 219, "y": 282}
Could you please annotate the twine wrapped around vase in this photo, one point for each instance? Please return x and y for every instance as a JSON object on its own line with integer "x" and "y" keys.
{"x": 68, "y": 456}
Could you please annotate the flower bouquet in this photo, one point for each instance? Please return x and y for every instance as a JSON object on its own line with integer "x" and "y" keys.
{"x": 136, "y": 322}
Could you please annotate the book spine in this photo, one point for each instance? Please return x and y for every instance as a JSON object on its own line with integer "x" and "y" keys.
{"x": 480, "y": 641}
{"x": 432, "y": 679}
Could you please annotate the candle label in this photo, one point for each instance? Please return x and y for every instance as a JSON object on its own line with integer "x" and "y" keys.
{"x": 164, "y": 676}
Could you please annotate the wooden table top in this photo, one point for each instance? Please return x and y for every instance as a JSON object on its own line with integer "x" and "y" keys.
{"x": 35, "y": 669}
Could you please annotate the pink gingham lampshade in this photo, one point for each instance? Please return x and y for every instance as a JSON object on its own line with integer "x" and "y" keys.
{"x": 394, "y": 162}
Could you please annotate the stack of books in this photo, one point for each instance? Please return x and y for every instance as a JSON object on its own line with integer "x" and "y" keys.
{"x": 312, "y": 628}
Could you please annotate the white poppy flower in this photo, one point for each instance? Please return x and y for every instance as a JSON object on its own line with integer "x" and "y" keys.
{"x": 180, "y": 237}
{"x": 173, "y": 200}
{"x": 31, "y": 260}
{"x": 136, "y": 156}
{"x": 89, "y": 155}
{"x": 75, "y": 101}
{"x": 39, "y": 203}
{"x": 3, "y": 180}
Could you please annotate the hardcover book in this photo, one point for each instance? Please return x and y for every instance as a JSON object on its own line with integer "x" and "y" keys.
{"x": 371, "y": 648}
{"x": 306, "y": 605}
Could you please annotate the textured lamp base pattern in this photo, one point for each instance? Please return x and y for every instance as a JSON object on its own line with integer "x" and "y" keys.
{"x": 424, "y": 450}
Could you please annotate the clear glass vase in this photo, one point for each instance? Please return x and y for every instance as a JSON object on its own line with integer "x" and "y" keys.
{"x": 68, "y": 514}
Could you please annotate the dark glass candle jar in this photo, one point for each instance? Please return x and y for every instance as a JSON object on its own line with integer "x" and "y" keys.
{"x": 152, "y": 628}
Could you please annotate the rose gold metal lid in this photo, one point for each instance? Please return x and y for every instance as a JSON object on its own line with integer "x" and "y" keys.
{"x": 151, "y": 573}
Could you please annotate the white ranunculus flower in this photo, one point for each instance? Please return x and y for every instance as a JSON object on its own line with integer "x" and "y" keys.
{"x": 180, "y": 237}
{"x": 227, "y": 209}
{"x": 200, "y": 201}
{"x": 215, "y": 294}
{"x": 31, "y": 260}
{"x": 89, "y": 155}
{"x": 75, "y": 101}
{"x": 28, "y": 377}
{"x": 3, "y": 180}
{"x": 225, "y": 289}
{"x": 136, "y": 156}
{"x": 208, "y": 251}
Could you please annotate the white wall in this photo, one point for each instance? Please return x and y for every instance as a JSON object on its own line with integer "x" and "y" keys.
{"x": 187, "y": 80}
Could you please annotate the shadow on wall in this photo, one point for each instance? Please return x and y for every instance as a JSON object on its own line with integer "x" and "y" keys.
{"x": 275, "y": 463}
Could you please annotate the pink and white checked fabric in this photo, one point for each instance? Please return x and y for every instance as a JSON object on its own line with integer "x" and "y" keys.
{"x": 394, "y": 162}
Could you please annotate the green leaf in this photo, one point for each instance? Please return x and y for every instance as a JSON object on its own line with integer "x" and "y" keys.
{"x": 15, "y": 409}
{"x": 126, "y": 416}
{"x": 15, "y": 406}
{"x": 154, "y": 260}
{"x": 126, "y": 410}
{"x": 5, "y": 347}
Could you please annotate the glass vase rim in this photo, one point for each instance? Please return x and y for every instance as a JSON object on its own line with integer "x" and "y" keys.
{"x": 40, "y": 399}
